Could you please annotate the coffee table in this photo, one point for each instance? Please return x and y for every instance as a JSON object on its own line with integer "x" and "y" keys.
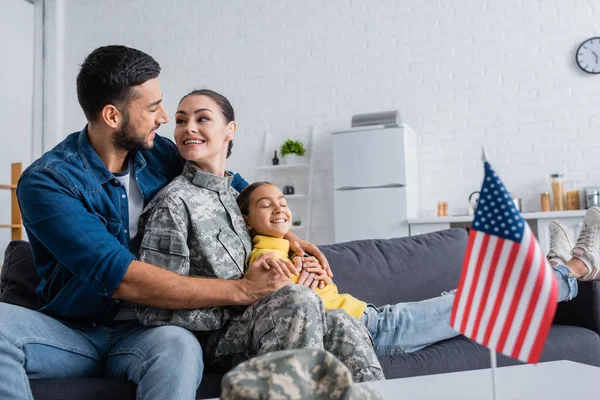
{"x": 549, "y": 380}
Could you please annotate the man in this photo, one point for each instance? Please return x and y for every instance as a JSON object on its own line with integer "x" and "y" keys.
{"x": 80, "y": 203}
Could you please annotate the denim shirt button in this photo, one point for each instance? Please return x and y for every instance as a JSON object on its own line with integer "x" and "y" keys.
{"x": 94, "y": 324}
{"x": 116, "y": 182}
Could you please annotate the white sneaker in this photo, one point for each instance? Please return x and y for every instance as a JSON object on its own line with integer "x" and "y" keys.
{"x": 561, "y": 243}
{"x": 587, "y": 248}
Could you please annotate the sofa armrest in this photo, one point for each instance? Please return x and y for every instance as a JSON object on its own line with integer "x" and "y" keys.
{"x": 583, "y": 310}
{"x": 18, "y": 277}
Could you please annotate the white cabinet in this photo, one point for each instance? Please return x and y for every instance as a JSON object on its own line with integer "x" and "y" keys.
{"x": 375, "y": 182}
{"x": 369, "y": 158}
{"x": 359, "y": 208}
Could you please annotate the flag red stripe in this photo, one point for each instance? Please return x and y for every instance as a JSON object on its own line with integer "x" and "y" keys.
{"x": 482, "y": 253}
{"x": 509, "y": 267}
{"x": 532, "y": 306}
{"x": 538, "y": 345}
{"x": 463, "y": 275}
{"x": 525, "y": 266}
{"x": 488, "y": 285}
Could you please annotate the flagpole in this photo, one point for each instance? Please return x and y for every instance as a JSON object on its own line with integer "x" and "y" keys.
{"x": 493, "y": 363}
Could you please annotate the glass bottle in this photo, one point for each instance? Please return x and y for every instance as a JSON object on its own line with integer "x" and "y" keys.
{"x": 558, "y": 192}
{"x": 275, "y": 159}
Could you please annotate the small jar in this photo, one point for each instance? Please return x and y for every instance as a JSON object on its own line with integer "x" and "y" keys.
{"x": 442, "y": 209}
{"x": 558, "y": 192}
{"x": 545, "y": 200}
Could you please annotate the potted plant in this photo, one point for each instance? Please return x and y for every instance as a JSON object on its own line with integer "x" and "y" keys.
{"x": 293, "y": 151}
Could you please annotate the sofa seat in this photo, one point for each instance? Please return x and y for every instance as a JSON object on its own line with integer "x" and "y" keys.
{"x": 461, "y": 354}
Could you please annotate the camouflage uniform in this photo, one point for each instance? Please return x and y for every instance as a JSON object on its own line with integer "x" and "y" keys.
{"x": 294, "y": 374}
{"x": 194, "y": 227}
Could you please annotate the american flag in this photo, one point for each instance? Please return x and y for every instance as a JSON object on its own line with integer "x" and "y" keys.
{"x": 506, "y": 297}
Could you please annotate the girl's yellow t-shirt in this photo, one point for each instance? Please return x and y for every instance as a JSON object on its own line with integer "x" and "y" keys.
{"x": 331, "y": 298}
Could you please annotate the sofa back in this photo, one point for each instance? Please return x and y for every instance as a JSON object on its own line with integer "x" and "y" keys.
{"x": 384, "y": 271}
{"x": 389, "y": 271}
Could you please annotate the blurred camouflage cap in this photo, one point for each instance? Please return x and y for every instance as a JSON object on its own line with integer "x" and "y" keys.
{"x": 294, "y": 374}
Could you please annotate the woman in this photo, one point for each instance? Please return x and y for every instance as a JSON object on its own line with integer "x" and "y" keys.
{"x": 194, "y": 227}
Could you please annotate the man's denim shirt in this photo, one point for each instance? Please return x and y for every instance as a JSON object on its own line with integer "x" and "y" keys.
{"x": 75, "y": 213}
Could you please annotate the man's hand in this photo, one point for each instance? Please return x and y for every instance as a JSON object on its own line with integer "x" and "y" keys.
{"x": 300, "y": 247}
{"x": 262, "y": 279}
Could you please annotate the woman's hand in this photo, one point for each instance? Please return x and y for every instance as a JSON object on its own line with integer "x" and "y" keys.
{"x": 300, "y": 247}
{"x": 262, "y": 279}
{"x": 283, "y": 267}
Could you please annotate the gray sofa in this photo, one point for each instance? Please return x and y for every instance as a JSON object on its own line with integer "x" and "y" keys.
{"x": 380, "y": 272}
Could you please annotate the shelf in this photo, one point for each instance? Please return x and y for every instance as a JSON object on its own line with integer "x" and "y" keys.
{"x": 304, "y": 170}
{"x": 283, "y": 167}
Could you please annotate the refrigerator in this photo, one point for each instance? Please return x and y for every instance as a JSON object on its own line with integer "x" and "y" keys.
{"x": 375, "y": 182}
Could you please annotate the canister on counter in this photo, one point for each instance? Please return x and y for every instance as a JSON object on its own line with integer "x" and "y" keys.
{"x": 545, "y": 199}
{"x": 558, "y": 192}
{"x": 442, "y": 209}
{"x": 572, "y": 195}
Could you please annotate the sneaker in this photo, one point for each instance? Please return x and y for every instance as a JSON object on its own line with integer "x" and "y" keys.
{"x": 587, "y": 248}
{"x": 561, "y": 243}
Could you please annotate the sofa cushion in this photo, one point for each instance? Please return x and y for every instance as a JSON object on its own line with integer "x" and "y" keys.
{"x": 389, "y": 271}
{"x": 461, "y": 354}
{"x": 18, "y": 278}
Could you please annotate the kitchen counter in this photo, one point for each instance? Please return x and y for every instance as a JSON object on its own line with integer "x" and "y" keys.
{"x": 525, "y": 215}
{"x": 538, "y": 221}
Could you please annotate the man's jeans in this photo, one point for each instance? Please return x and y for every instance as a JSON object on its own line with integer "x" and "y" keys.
{"x": 407, "y": 327}
{"x": 165, "y": 362}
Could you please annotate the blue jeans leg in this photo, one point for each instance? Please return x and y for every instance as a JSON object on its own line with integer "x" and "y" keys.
{"x": 567, "y": 283}
{"x": 35, "y": 346}
{"x": 165, "y": 362}
{"x": 407, "y": 327}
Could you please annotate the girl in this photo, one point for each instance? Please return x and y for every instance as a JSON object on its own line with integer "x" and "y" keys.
{"x": 399, "y": 328}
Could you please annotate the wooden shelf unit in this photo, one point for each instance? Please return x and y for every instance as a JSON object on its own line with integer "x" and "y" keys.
{"x": 16, "y": 223}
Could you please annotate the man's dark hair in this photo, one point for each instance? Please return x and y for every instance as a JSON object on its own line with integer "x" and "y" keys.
{"x": 107, "y": 76}
{"x": 243, "y": 200}
{"x": 224, "y": 104}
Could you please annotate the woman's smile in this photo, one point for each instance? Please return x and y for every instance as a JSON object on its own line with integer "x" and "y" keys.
{"x": 191, "y": 142}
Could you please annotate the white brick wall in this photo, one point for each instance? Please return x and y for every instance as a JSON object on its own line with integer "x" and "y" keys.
{"x": 464, "y": 74}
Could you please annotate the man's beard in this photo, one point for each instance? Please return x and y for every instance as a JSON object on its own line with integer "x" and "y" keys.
{"x": 127, "y": 138}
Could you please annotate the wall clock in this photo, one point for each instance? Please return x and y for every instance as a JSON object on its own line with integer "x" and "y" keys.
{"x": 588, "y": 56}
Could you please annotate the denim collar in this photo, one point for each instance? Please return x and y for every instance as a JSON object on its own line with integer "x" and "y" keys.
{"x": 93, "y": 162}
{"x": 206, "y": 180}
